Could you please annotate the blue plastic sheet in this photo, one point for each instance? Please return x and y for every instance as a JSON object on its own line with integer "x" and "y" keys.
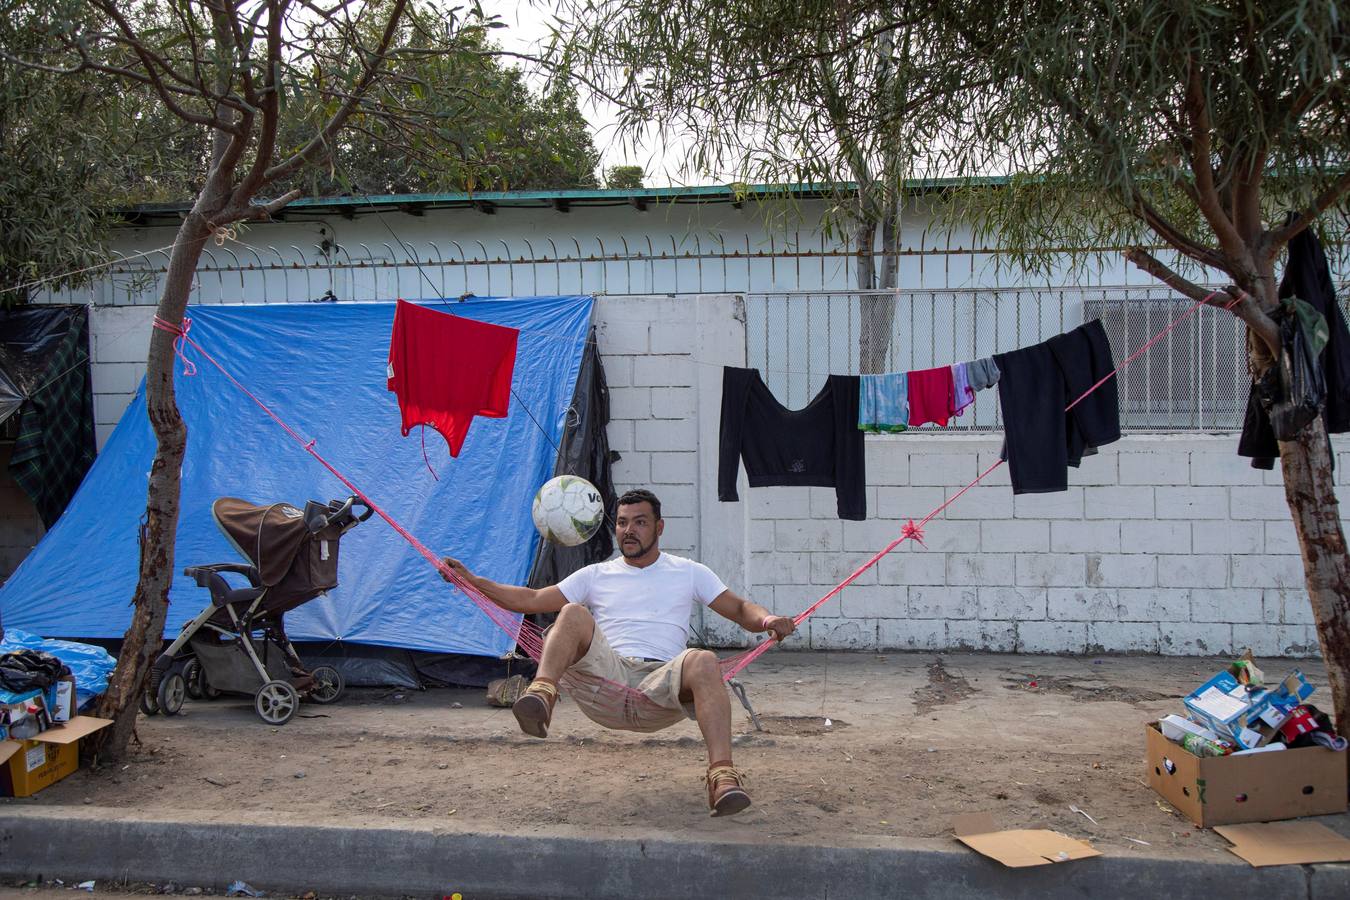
{"x": 322, "y": 368}
{"x": 90, "y": 665}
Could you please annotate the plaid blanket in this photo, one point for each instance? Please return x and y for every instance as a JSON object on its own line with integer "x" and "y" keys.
{"x": 56, "y": 443}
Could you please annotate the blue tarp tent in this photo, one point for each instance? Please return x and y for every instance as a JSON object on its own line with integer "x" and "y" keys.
{"x": 322, "y": 368}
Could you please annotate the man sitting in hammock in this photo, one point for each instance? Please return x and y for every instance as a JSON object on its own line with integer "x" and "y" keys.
{"x": 619, "y": 641}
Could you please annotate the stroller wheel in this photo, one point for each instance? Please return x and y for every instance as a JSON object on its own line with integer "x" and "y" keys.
{"x": 208, "y": 691}
{"x": 148, "y": 704}
{"x": 192, "y": 675}
{"x": 172, "y": 689}
{"x": 327, "y": 685}
{"x": 276, "y": 702}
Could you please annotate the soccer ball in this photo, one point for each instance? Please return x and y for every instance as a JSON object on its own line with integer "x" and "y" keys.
{"x": 568, "y": 510}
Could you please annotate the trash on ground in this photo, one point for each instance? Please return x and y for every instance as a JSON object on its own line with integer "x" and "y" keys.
{"x": 1082, "y": 813}
{"x": 1018, "y": 848}
{"x": 85, "y": 886}
{"x": 1250, "y": 715}
{"x": 1286, "y": 843}
{"x": 242, "y": 889}
{"x": 1290, "y": 765}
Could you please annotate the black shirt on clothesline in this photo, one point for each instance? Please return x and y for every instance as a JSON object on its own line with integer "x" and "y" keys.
{"x": 816, "y": 446}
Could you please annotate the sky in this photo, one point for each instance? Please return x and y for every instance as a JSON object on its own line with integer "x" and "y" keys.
{"x": 527, "y": 25}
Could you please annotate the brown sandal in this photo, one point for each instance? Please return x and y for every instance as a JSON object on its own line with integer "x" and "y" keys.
{"x": 726, "y": 793}
{"x": 534, "y": 708}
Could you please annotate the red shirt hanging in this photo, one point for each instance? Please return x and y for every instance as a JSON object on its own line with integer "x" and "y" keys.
{"x": 446, "y": 369}
{"x": 930, "y": 396}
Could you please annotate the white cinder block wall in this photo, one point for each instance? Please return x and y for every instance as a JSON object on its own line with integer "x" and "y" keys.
{"x": 1162, "y": 544}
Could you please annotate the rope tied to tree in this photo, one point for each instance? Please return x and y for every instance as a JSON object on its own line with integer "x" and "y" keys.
{"x": 180, "y": 334}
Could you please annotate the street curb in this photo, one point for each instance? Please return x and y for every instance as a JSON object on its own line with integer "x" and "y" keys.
{"x": 382, "y": 861}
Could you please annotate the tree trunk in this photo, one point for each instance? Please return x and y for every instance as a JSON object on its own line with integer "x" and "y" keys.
{"x": 144, "y": 637}
{"x": 1310, "y": 491}
{"x": 874, "y": 334}
{"x": 878, "y": 310}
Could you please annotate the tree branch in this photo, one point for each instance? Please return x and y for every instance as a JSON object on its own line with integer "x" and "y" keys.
{"x": 87, "y": 64}
{"x": 254, "y": 212}
{"x": 1247, "y": 309}
{"x": 1206, "y": 195}
{"x": 370, "y": 65}
{"x": 1135, "y": 202}
{"x": 189, "y": 27}
{"x": 269, "y": 106}
{"x": 1275, "y": 240}
{"x": 154, "y": 64}
{"x": 83, "y": 66}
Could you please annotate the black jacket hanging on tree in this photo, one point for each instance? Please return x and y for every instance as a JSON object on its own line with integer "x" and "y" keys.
{"x": 1307, "y": 277}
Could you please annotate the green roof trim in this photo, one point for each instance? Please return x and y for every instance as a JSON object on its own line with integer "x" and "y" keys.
{"x": 716, "y": 193}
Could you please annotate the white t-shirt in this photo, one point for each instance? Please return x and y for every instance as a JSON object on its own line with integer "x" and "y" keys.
{"x": 643, "y": 612}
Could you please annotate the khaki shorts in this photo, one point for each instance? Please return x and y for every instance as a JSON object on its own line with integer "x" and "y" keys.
{"x": 598, "y": 680}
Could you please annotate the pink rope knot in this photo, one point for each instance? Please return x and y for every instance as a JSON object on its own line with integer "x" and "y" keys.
{"x": 180, "y": 336}
{"x": 310, "y": 445}
{"x": 910, "y": 531}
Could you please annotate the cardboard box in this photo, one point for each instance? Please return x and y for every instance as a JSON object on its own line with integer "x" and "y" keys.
{"x": 27, "y": 767}
{"x": 1227, "y": 790}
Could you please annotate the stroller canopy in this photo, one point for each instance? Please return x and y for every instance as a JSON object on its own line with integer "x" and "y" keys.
{"x": 267, "y": 536}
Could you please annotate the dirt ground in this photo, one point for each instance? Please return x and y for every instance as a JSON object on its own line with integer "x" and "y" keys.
{"x": 911, "y": 740}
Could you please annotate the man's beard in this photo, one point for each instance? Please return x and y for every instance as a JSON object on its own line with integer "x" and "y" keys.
{"x": 641, "y": 551}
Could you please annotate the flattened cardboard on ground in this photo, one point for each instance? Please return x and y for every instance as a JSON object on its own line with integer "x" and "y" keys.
{"x": 1286, "y": 843}
{"x": 1018, "y": 848}
{"x": 1226, "y": 790}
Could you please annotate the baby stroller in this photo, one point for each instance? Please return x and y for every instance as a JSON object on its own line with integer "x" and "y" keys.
{"x": 238, "y": 643}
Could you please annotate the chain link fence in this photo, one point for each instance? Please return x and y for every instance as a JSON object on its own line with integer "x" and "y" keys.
{"x": 1193, "y": 379}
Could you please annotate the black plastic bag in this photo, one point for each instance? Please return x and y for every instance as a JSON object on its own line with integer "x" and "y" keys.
{"x": 28, "y": 670}
{"x": 1297, "y": 393}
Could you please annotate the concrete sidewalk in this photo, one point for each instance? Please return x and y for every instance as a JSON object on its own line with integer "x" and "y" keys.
{"x": 405, "y": 793}
{"x": 562, "y": 863}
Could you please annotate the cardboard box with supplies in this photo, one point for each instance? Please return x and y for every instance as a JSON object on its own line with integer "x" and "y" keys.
{"x": 27, "y": 766}
{"x": 1227, "y": 790}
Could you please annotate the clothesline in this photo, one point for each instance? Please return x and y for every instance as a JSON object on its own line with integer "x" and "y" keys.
{"x": 914, "y": 530}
